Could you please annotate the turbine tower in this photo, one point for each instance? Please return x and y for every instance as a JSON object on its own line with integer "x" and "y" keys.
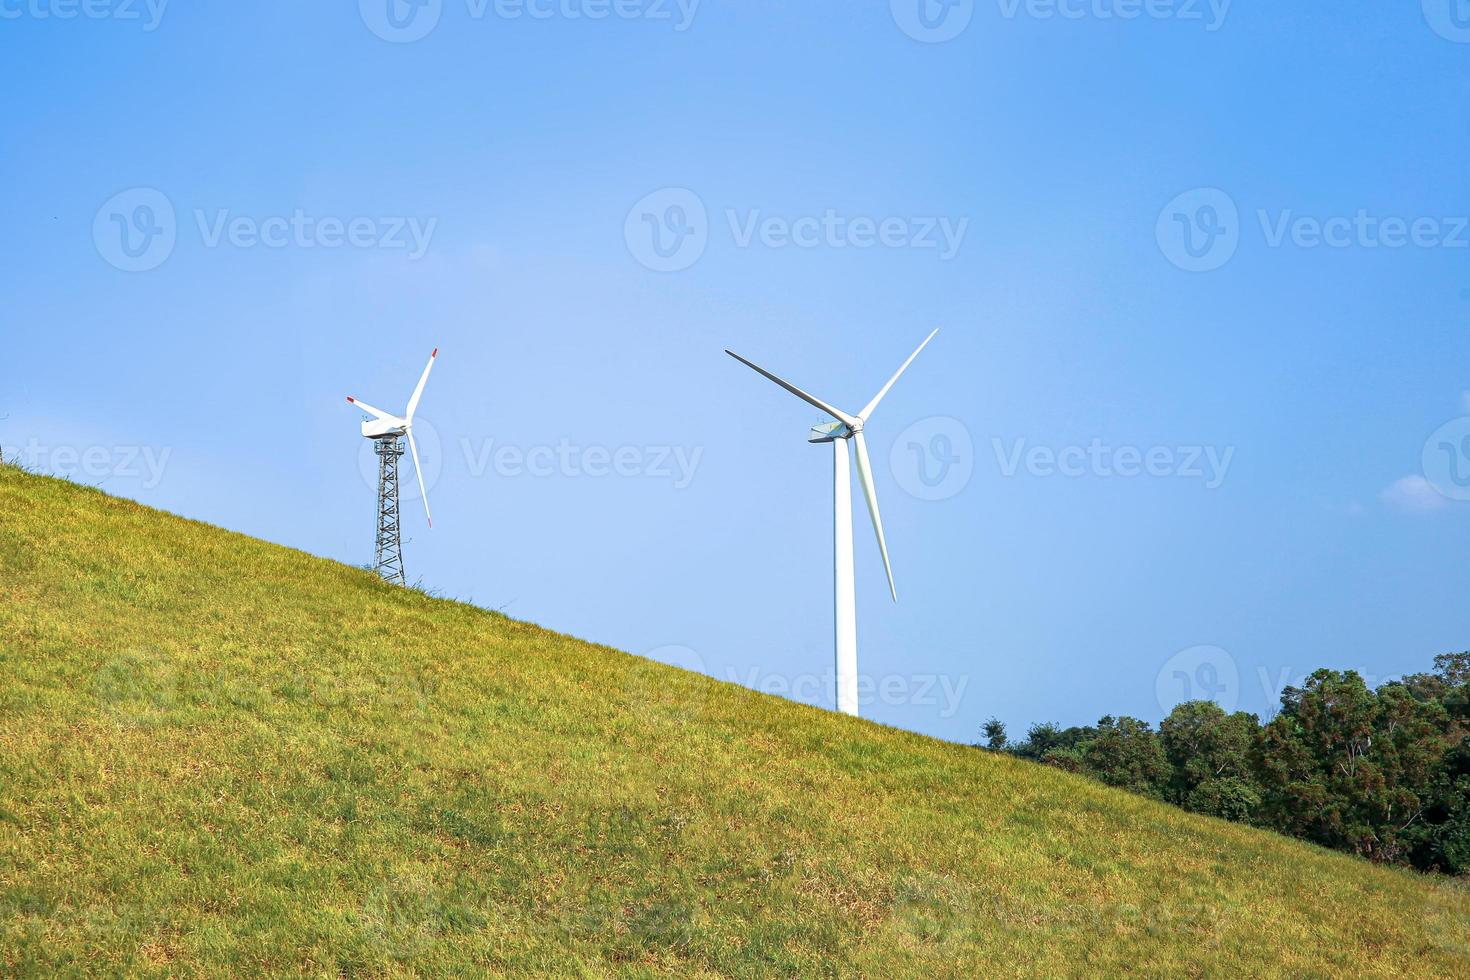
{"x": 844, "y": 429}
{"x": 387, "y": 431}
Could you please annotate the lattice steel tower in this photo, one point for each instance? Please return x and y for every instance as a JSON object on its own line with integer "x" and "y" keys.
{"x": 387, "y": 432}
{"x": 388, "y": 553}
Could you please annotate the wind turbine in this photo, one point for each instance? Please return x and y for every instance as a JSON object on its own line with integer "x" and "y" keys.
{"x": 839, "y": 432}
{"x": 386, "y": 430}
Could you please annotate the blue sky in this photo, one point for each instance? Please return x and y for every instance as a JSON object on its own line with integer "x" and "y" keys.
{"x": 1197, "y": 413}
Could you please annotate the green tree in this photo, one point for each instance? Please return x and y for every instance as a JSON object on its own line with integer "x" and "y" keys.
{"x": 1313, "y": 761}
{"x": 1385, "y": 773}
{"x": 1446, "y": 844}
{"x": 1453, "y": 668}
{"x": 994, "y": 731}
{"x": 1209, "y": 756}
{"x": 1041, "y": 738}
{"x": 1067, "y": 759}
{"x": 1125, "y": 752}
{"x": 1353, "y": 769}
{"x": 1442, "y": 838}
{"x": 1229, "y": 797}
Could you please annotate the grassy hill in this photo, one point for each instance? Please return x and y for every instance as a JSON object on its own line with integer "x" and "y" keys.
{"x": 221, "y": 756}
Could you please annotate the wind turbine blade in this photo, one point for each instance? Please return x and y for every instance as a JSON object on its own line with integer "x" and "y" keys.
{"x": 414, "y": 448}
{"x": 868, "y": 411}
{"x": 375, "y": 412}
{"x": 418, "y": 392}
{"x": 809, "y": 399}
{"x": 865, "y": 474}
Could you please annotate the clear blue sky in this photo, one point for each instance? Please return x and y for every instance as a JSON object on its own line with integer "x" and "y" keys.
{"x": 1067, "y": 156}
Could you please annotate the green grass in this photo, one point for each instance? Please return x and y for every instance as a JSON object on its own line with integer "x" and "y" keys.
{"x": 219, "y": 756}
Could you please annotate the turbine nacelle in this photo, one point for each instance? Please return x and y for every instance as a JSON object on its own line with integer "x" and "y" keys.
{"x": 381, "y": 428}
{"x": 384, "y": 425}
{"x": 830, "y": 432}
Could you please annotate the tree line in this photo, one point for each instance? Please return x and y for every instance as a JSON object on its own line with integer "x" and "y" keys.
{"x": 1382, "y": 773}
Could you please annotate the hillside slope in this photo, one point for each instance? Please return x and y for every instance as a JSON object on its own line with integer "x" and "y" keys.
{"x": 219, "y": 755}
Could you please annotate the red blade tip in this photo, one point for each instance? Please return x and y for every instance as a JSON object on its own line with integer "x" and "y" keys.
{"x": 436, "y": 352}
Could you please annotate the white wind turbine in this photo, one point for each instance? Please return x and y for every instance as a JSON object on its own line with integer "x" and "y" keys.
{"x": 386, "y": 430}
{"x": 838, "y": 433}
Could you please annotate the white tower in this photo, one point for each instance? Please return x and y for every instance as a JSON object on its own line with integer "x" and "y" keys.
{"x": 847, "y": 429}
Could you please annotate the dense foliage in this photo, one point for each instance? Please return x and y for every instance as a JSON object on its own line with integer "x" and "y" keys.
{"x": 1382, "y": 773}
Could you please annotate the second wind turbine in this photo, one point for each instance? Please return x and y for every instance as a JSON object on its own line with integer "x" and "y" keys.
{"x": 839, "y": 432}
